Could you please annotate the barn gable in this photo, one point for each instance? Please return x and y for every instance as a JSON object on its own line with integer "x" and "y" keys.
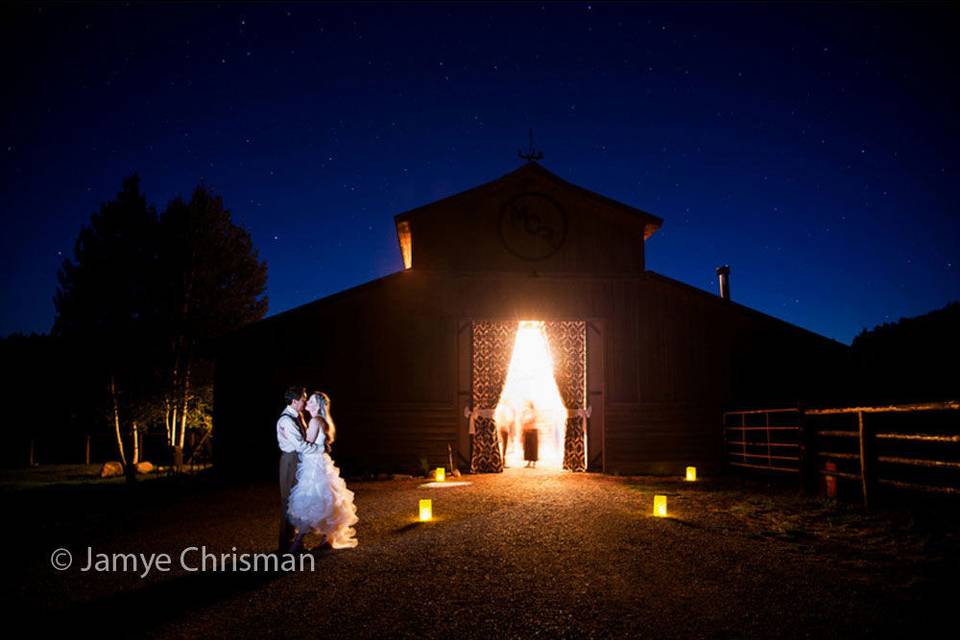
{"x": 528, "y": 220}
{"x": 402, "y": 355}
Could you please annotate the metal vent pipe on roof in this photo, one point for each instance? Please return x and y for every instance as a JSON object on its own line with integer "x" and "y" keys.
{"x": 723, "y": 272}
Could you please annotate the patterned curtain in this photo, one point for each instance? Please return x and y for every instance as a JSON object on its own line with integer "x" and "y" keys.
{"x": 568, "y": 348}
{"x": 492, "y": 348}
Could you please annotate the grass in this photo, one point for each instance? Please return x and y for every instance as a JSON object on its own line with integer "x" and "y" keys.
{"x": 69, "y": 474}
{"x": 904, "y": 534}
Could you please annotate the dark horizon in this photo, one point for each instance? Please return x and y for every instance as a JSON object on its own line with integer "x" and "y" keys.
{"x": 810, "y": 147}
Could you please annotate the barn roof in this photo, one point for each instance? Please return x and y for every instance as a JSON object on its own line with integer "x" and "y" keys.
{"x": 532, "y": 170}
{"x": 719, "y": 304}
{"x": 732, "y": 305}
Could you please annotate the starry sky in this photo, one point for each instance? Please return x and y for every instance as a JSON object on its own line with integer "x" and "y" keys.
{"x": 813, "y": 148}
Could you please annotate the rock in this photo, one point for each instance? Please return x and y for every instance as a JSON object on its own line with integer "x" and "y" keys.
{"x": 456, "y": 473}
{"x": 145, "y": 467}
{"x": 111, "y": 469}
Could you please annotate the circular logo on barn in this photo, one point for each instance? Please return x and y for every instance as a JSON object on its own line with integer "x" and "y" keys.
{"x": 533, "y": 226}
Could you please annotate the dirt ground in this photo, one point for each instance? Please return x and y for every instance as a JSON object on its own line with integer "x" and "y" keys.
{"x": 525, "y": 554}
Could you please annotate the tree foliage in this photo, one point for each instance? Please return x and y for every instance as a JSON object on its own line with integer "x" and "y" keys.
{"x": 105, "y": 303}
{"x": 213, "y": 284}
{"x": 911, "y": 359}
{"x": 145, "y": 295}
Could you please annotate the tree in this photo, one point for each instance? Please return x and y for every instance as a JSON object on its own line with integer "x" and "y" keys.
{"x": 214, "y": 283}
{"x": 903, "y": 361}
{"x": 105, "y": 304}
{"x": 144, "y": 297}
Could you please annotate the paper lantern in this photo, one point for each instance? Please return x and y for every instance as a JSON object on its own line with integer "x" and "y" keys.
{"x": 426, "y": 510}
{"x": 440, "y": 474}
{"x": 660, "y": 506}
{"x": 691, "y": 474}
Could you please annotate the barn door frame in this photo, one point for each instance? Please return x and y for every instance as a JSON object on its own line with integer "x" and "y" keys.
{"x": 593, "y": 392}
{"x": 464, "y": 390}
{"x": 596, "y": 394}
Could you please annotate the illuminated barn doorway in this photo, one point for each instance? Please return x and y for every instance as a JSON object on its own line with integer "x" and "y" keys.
{"x": 528, "y": 374}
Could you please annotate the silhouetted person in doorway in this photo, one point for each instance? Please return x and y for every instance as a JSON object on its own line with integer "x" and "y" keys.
{"x": 505, "y": 419}
{"x": 528, "y": 428}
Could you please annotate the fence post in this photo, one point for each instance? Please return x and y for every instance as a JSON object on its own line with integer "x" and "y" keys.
{"x": 86, "y": 456}
{"x": 769, "y": 459}
{"x": 808, "y": 453}
{"x": 867, "y": 466}
{"x": 32, "y": 462}
{"x": 743, "y": 436}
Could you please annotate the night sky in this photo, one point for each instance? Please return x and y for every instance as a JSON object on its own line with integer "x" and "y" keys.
{"x": 812, "y": 148}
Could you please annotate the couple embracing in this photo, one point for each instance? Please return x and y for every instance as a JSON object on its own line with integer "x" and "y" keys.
{"x": 314, "y": 498}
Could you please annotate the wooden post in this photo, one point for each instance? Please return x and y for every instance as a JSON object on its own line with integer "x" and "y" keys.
{"x": 743, "y": 436}
{"x": 86, "y": 457}
{"x": 830, "y": 479}
{"x": 32, "y": 463}
{"x": 808, "y": 454}
{"x": 769, "y": 460}
{"x": 867, "y": 466}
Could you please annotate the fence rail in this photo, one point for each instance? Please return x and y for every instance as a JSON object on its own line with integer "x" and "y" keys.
{"x": 908, "y": 446}
{"x": 756, "y": 435}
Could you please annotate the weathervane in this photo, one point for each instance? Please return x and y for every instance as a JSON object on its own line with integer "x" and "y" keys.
{"x": 530, "y": 155}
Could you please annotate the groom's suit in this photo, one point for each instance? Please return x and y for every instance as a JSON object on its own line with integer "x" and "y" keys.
{"x": 291, "y": 442}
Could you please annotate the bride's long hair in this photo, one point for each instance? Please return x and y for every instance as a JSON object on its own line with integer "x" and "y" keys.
{"x": 323, "y": 400}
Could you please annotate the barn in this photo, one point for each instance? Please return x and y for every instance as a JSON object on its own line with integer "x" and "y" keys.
{"x": 525, "y": 296}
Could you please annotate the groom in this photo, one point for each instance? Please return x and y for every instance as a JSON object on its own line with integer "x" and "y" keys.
{"x": 290, "y": 432}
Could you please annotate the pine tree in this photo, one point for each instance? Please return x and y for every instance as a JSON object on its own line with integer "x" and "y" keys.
{"x": 105, "y": 304}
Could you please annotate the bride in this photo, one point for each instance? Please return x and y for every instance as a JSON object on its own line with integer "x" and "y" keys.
{"x": 320, "y": 501}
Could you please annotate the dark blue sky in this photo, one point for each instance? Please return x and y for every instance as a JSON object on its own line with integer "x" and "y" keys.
{"x": 811, "y": 147}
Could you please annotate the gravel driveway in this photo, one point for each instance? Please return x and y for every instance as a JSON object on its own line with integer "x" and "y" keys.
{"x": 526, "y": 553}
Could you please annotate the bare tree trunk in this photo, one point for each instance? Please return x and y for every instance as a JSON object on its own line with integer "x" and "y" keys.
{"x": 176, "y": 452}
{"x": 170, "y": 397}
{"x": 185, "y": 401}
{"x": 173, "y": 425}
{"x": 167, "y": 421}
{"x": 136, "y": 442}
{"x": 116, "y": 419}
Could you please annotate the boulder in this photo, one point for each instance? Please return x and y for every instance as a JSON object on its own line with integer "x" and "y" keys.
{"x": 145, "y": 467}
{"x": 111, "y": 470}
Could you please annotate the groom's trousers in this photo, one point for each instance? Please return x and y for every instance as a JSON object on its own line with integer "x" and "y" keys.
{"x": 288, "y": 478}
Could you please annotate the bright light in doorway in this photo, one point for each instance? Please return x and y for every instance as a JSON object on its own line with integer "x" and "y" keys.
{"x": 530, "y": 396}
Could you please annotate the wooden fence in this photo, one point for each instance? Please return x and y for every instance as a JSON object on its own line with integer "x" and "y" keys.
{"x": 914, "y": 447}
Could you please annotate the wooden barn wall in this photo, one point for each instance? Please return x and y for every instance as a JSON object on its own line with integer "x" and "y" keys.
{"x": 387, "y": 358}
{"x": 463, "y": 234}
{"x": 673, "y": 360}
{"x": 678, "y": 358}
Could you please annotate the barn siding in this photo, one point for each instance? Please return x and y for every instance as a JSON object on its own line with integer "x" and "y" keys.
{"x": 674, "y": 358}
{"x": 462, "y": 233}
{"x": 662, "y": 437}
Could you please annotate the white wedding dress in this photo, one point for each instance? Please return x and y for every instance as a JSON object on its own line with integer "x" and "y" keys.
{"x": 320, "y": 501}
